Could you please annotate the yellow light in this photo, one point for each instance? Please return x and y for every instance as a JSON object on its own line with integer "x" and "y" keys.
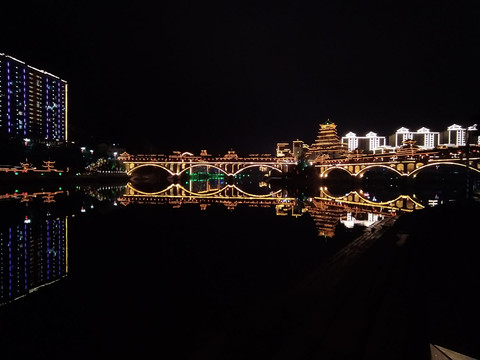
{"x": 66, "y": 112}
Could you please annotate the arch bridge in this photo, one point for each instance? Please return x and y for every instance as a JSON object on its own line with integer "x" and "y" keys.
{"x": 403, "y": 166}
{"x": 230, "y": 164}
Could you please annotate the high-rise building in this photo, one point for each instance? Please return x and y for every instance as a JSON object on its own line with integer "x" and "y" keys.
{"x": 403, "y": 134}
{"x": 426, "y": 139}
{"x": 368, "y": 143}
{"x": 33, "y": 102}
{"x": 456, "y": 135}
{"x": 423, "y": 137}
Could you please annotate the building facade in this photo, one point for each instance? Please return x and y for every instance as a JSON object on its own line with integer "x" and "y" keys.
{"x": 423, "y": 137}
{"x": 368, "y": 143}
{"x": 283, "y": 149}
{"x": 33, "y": 103}
{"x": 456, "y": 135}
{"x": 426, "y": 139}
{"x": 403, "y": 134}
{"x": 299, "y": 149}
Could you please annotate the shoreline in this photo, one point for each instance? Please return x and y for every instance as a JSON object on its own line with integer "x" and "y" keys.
{"x": 23, "y": 176}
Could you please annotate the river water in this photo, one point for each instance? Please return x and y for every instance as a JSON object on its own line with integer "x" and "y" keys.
{"x": 131, "y": 269}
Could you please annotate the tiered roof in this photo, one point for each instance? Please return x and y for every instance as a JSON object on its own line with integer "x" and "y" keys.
{"x": 327, "y": 142}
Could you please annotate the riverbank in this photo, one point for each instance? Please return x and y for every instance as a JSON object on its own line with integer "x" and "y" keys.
{"x": 37, "y": 177}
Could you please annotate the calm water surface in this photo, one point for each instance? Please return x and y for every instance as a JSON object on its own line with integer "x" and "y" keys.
{"x": 121, "y": 269}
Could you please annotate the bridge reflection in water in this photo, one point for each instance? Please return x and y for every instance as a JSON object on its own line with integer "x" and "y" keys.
{"x": 204, "y": 180}
{"x": 354, "y": 208}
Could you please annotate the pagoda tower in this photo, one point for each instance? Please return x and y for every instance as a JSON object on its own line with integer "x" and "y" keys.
{"x": 328, "y": 144}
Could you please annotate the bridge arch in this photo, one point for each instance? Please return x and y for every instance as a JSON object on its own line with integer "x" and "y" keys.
{"x": 263, "y": 196}
{"x": 219, "y": 192}
{"x": 417, "y": 170}
{"x": 330, "y": 169}
{"x": 366, "y": 201}
{"x": 202, "y": 165}
{"x": 131, "y": 171}
{"x": 257, "y": 165}
{"x": 370, "y": 167}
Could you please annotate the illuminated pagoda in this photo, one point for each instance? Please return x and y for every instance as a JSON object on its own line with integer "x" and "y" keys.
{"x": 33, "y": 103}
{"x": 327, "y": 145}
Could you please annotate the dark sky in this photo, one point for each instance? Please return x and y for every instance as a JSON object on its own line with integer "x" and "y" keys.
{"x": 244, "y": 75}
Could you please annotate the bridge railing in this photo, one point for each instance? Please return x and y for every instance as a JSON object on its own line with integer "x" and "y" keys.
{"x": 207, "y": 159}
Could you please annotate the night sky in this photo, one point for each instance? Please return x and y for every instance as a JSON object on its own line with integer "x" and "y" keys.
{"x": 244, "y": 75}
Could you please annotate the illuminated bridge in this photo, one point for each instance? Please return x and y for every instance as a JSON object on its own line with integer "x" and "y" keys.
{"x": 404, "y": 164}
{"x": 230, "y": 164}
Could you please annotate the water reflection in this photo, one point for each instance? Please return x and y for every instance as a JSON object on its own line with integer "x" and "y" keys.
{"x": 338, "y": 200}
{"x": 184, "y": 257}
{"x": 34, "y": 225}
{"x": 33, "y": 246}
{"x": 34, "y": 234}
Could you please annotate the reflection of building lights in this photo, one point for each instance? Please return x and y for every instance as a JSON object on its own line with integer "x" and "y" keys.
{"x": 351, "y": 221}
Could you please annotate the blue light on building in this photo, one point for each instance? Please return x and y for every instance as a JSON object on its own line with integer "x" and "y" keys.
{"x": 33, "y": 102}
